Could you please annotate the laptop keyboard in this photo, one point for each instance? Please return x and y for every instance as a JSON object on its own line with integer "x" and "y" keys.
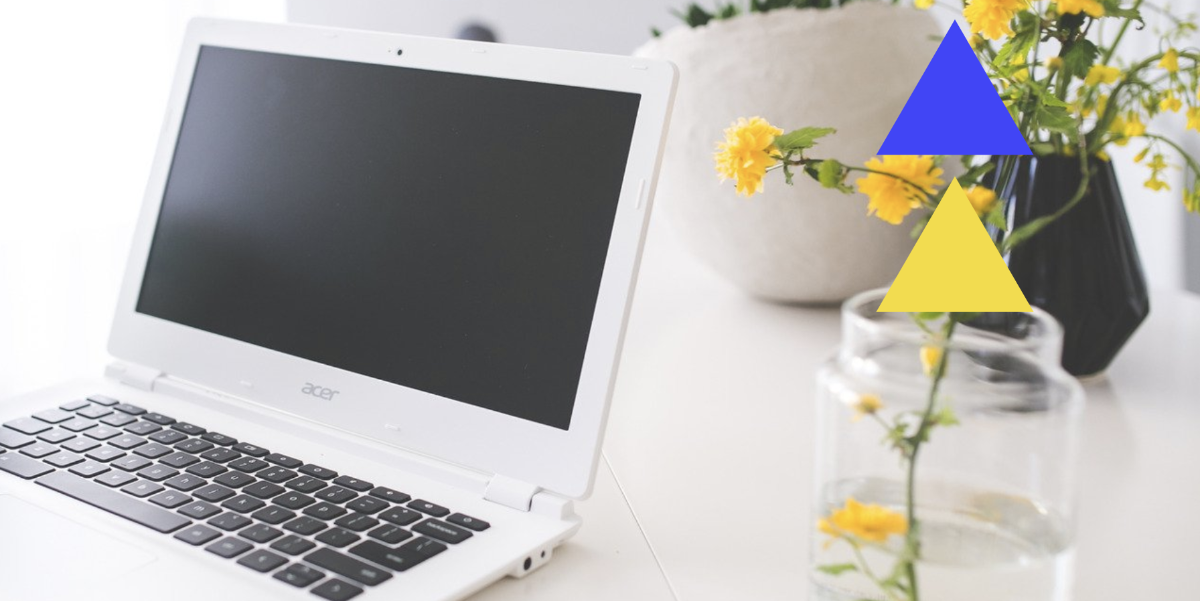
{"x": 304, "y": 524}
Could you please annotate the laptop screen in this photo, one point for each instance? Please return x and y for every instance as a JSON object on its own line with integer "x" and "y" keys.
{"x": 440, "y": 231}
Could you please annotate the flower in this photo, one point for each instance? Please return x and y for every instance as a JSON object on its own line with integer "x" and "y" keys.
{"x": 1170, "y": 103}
{"x": 992, "y": 18}
{"x": 892, "y": 198}
{"x": 923, "y": 4}
{"x": 1134, "y": 126}
{"x": 983, "y": 199}
{"x": 1157, "y": 184}
{"x": 1193, "y": 118}
{"x": 1191, "y": 200}
{"x": 1170, "y": 60}
{"x": 1099, "y": 74}
{"x": 1157, "y": 166}
{"x": 748, "y": 149}
{"x": 1054, "y": 63}
{"x": 867, "y": 404}
{"x": 1074, "y": 7}
{"x": 931, "y": 357}
{"x": 873, "y": 523}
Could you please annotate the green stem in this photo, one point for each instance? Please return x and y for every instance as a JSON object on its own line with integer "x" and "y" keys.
{"x": 866, "y": 570}
{"x": 1120, "y": 34}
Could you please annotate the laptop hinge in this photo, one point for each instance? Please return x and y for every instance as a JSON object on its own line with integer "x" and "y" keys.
{"x": 510, "y": 492}
{"x": 142, "y": 378}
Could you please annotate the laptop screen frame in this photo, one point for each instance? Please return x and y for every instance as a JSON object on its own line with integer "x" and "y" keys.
{"x": 562, "y": 461}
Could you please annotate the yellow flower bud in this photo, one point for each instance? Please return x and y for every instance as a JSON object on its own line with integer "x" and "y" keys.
{"x": 1170, "y": 60}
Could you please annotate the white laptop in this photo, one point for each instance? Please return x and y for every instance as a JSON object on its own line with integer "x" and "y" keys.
{"x": 368, "y": 332}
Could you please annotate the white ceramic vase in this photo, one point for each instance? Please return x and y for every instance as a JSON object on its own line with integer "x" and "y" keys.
{"x": 851, "y": 68}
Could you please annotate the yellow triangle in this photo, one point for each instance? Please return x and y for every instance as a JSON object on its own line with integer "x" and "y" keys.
{"x": 954, "y": 266}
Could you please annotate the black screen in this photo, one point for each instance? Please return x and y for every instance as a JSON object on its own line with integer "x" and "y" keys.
{"x": 441, "y": 231}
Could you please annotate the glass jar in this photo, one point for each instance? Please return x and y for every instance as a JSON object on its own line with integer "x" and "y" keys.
{"x": 979, "y": 506}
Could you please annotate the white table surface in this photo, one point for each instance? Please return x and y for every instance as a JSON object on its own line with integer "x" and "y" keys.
{"x": 704, "y": 488}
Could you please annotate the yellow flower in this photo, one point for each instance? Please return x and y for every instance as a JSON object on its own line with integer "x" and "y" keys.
{"x": 983, "y": 199}
{"x": 1054, "y": 63}
{"x": 748, "y": 149}
{"x": 890, "y": 198}
{"x": 923, "y": 4}
{"x": 1074, "y": 7}
{"x": 992, "y": 18}
{"x": 867, "y": 404}
{"x": 873, "y": 523}
{"x": 1191, "y": 200}
{"x": 1118, "y": 127}
{"x": 1103, "y": 156}
{"x": 1141, "y": 155}
{"x": 1157, "y": 184}
{"x": 931, "y": 356}
{"x": 1099, "y": 74}
{"x": 1170, "y": 103}
{"x": 1170, "y": 60}
{"x": 1193, "y": 118}
{"x": 1101, "y": 104}
{"x": 1134, "y": 126}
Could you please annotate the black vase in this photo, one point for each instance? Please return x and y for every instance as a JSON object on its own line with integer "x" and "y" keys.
{"x": 1083, "y": 268}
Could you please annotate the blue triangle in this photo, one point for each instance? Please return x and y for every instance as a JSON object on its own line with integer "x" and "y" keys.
{"x": 954, "y": 109}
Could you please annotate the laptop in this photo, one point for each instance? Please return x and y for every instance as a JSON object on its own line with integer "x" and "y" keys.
{"x": 368, "y": 332}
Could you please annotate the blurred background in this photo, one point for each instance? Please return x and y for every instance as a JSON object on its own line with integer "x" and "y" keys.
{"x": 85, "y": 88}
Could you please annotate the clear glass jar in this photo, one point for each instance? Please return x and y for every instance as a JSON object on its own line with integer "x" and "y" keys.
{"x": 993, "y": 488}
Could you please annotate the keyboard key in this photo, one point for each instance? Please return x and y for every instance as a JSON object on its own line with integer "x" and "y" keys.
{"x": 185, "y": 482}
{"x": 11, "y": 439}
{"x": 263, "y": 490}
{"x": 335, "y": 494}
{"x": 229, "y": 547}
{"x": 299, "y": 575}
{"x": 114, "y": 479}
{"x": 234, "y": 479}
{"x": 388, "y": 494}
{"x": 305, "y": 525}
{"x": 80, "y": 445}
{"x": 356, "y": 522}
{"x": 158, "y": 472}
{"x": 248, "y": 464}
{"x": 95, "y": 412}
{"x": 194, "y": 445}
{"x": 306, "y": 484}
{"x": 242, "y": 504}
{"x": 400, "y": 516}
{"x": 102, "y": 433}
{"x": 218, "y": 438}
{"x": 442, "y": 531}
{"x": 118, "y": 420}
{"x": 78, "y": 424}
{"x": 170, "y": 499}
{"x": 318, "y": 472}
{"x": 230, "y": 521}
{"x": 207, "y": 469}
{"x": 179, "y": 460}
{"x": 105, "y": 454}
{"x": 467, "y": 521}
{"x": 130, "y": 409}
{"x": 337, "y": 537}
{"x": 127, "y": 441}
{"x": 262, "y": 560}
{"x": 143, "y": 428}
{"x": 273, "y": 514}
{"x": 63, "y": 459}
{"x": 260, "y": 533}
{"x": 251, "y": 450}
{"x": 39, "y": 450}
{"x": 28, "y": 425}
{"x": 425, "y": 506}
{"x": 197, "y": 534}
{"x": 153, "y": 450}
{"x": 390, "y": 534}
{"x": 292, "y": 545}
{"x": 347, "y": 566}
{"x": 220, "y": 454}
{"x": 88, "y": 469}
{"x": 142, "y": 488}
{"x": 112, "y": 501}
{"x": 213, "y": 492}
{"x": 200, "y": 510}
{"x": 336, "y": 590}
{"x": 188, "y": 429}
{"x": 353, "y": 483}
{"x": 74, "y": 405}
{"x": 23, "y": 467}
{"x": 167, "y": 437}
{"x": 102, "y": 400}
{"x": 424, "y": 546}
{"x": 56, "y": 436}
{"x": 394, "y": 559}
{"x": 325, "y": 511}
{"x": 367, "y": 505}
{"x": 284, "y": 461}
{"x": 294, "y": 500}
{"x": 131, "y": 463}
{"x": 159, "y": 419}
{"x": 53, "y": 416}
{"x": 276, "y": 474}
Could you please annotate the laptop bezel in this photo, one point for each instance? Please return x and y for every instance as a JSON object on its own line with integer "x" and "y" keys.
{"x": 563, "y": 461}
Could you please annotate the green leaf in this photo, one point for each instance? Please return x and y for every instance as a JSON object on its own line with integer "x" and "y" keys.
{"x": 1017, "y": 46}
{"x": 800, "y": 139}
{"x": 695, "y": 16}
{"x": 787, "y": 174}
{"x": 945, "y": 417}
{"x": 1079, "y": 58}
{"x": 964, "y": 316}
{"x": 829, "y": 173}
{"x": 995, "y": 217}
{"x": 1027, "y": 231}
{"x": 919, "y": 226}
{"x": 835, "y": 569}
{"x": 655, "y": 33}
{"x": 975, "y": 174}
{"x": 1042, "y": 148}
{"x": 1113, "y": 8}
{"x": 1055, "y": 118}
{"x": 928, "y": 315}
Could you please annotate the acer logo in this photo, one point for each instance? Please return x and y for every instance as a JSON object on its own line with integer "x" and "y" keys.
{"x": 318, "y": 391}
